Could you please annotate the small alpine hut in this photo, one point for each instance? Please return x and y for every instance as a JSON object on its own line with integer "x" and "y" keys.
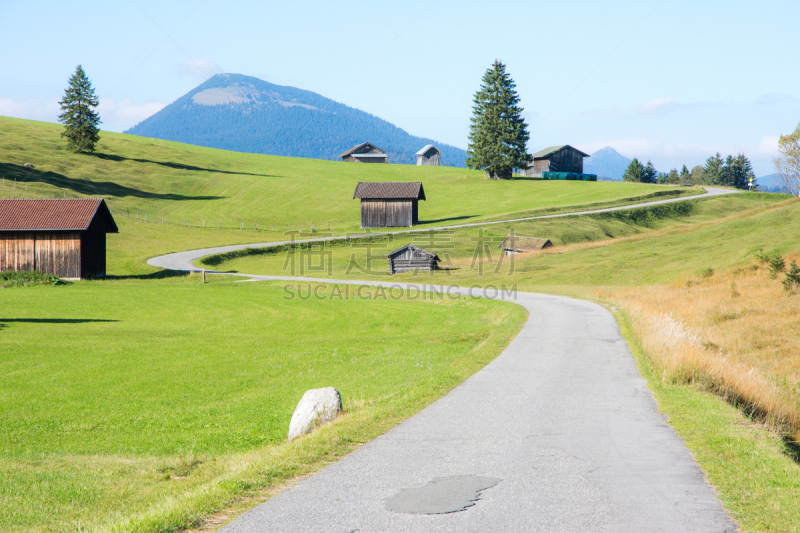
{"x": 410, "y": 257}
{"x": 429, "y": 156}
{"x": 389, "y": 204}
{"x": 563, "y": 158}
{"x": 514, "y": 244}
{"x": 364, "y": 153}
{"x": 65, "y": 238}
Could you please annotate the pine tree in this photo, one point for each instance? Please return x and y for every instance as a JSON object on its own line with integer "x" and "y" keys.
{"x": 727, "y": 172}
{"x": 649, "y": 175}
{"x": 78, "y": 115}
{"x": 712, "y": 173}
{"x": 672, "y": 176}
{"x": 498, "y": 135}
{"x": 685, "y": 177}
{"x": 634, "y": 172}
{"x": 744, "y": 173}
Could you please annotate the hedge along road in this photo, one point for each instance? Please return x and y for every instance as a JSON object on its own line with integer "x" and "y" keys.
{"x": 558, "y": 433}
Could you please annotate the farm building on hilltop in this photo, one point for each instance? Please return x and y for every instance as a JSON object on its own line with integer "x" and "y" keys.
{"x": 389, "y": 204}
{"x": 365, "y": 153}
{"x": 429, "y": 156}
{"x": 514, "y": 244}
{"x": 410, "y": 257}
{"x": 65, "y": 238}
{"x": 556, "y": 159}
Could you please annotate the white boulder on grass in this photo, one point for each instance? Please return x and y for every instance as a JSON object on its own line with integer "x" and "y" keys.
{"x": 316, "y": 407}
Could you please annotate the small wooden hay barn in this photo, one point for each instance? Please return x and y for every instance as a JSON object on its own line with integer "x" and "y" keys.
{"x": 514, "y": 244}
{"x": 389, "y": 204}
{"x": 364, "y": 153}
{"x": 410, "y": 257}
{"x": 65, "y": 238}
{"x": 429, "y": 156}
{"x": 563, "y": 158}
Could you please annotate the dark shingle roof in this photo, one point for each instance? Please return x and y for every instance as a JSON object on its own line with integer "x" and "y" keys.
{"x": 553, "y": 149}
{"x": 524, "y": 244}
{"x": 390, "y": 189}
{"x": 411, "y": 246}
{"x": 71, "y": 214}
{"x": 356, "y": 147}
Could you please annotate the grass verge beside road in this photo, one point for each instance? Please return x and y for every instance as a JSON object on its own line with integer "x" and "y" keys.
{"x": 750, "y": 465}
{"x": 143, "y": 405}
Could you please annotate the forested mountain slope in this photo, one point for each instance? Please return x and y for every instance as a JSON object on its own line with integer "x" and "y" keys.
{"x": 246, "y": 114}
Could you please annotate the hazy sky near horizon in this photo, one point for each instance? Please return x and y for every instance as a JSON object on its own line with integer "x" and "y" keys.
{"x": 672, "y": 81}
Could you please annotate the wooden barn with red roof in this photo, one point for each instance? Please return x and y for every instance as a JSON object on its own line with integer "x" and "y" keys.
{"x": 65, "y": 238}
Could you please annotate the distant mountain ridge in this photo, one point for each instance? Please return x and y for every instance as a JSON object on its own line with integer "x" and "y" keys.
{"x": 771, "y": 183}
{"x": 607, "y": 163}
{"x": 246, "y": 114}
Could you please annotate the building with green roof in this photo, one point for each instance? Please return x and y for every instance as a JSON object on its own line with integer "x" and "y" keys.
{"x": 562, "y": 158}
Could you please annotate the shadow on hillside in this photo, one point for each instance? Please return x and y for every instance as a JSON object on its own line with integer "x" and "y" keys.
{"x": 792, "y": 450}
{"x": 451, "y": 219}
{"x": 55, "y": 320}
{"x": 82, "y": 186}
{"x": 161, "y": 274}
{"x": 176, "y": 166}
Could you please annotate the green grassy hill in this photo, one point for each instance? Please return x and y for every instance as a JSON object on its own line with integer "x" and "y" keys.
{"x": 223, "y": 191}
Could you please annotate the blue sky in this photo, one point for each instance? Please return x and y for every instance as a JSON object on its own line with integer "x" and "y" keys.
{"x": 671, "y": 81}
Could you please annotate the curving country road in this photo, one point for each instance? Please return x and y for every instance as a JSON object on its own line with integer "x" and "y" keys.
{"x": 184, "y": 260}
{"x": 560, "y": 431}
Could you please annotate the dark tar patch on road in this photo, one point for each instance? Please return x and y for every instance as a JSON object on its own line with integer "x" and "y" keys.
{"x": 442, "y": 495}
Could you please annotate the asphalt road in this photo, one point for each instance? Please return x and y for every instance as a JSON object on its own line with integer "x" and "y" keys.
{"x": 560, "y": 427}
{"x": 562, "y": 418}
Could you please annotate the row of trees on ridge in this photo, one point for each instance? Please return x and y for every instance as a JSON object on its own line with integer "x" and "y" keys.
{"x": 729, "y": 172}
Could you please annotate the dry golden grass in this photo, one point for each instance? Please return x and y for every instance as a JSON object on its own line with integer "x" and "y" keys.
{"x": 736, "y": 333}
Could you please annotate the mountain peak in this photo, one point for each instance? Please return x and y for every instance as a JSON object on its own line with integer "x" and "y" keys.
{"x": 245, "y": 114}
{"x": 607, "y": 163}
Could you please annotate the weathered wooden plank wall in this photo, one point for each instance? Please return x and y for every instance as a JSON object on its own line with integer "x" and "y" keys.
{"x": 432, "y": 161}
{"x": 388, "y": 213}
{"x": 59, "y": 253}
{"x": 16, "y": 251}
{"x": 566, "y": 161}
{"x": 412, "y": 260}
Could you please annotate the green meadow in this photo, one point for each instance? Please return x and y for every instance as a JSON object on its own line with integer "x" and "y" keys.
{"x": 120, "y": 398}
{"x": 149, "y": 401}
{"x": 649, "y": 245}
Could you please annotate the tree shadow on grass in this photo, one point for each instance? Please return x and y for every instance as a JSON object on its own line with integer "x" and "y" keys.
{"x": 86, "y": 187}
{"x": 54, "y": 320}
{"x": 161, "y": 274}
{"x": 451, "y": 219}
{"x": 175, "y": 166}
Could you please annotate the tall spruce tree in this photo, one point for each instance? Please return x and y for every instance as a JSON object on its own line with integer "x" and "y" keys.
{"x": 634, "y": 172}
{"x": 78, "y": 115}
{"x": 649, "y": 175}
{"x": 498, "y": 135}
{"x": 713, "y": 171}
{"x": 741, "y": 173}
